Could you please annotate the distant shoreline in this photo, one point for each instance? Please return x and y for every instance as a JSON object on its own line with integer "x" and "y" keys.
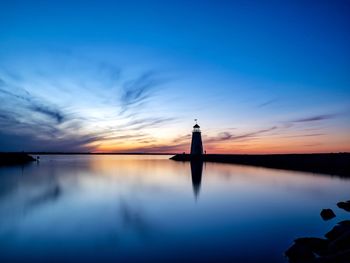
{"x": 86, "y": 153}
{"x": 325, "y": 163}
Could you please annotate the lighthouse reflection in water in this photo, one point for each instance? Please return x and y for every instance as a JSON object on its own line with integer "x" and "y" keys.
{"x": 196, "y": 173}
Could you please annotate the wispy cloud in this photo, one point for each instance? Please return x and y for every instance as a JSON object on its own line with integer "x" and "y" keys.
{"x": 315, "y": 118}
{"x": 46, "y": 110}
{"x": 137, "y": 91}
{"x": 51, "y": 127}
{"x": 227, "y": 136}
{"x": 266, "y": 103}
{"x": 313, "y": 144}
{"x": 25, "y": 99}
{"x": 143, "y": 123}
{"x": 304, "y": 135}
{"x": 23, "y": 130}
{"x": 102, "y": 70}
{"x": 182, "y": 139}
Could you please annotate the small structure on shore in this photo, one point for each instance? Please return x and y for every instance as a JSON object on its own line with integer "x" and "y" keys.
{"x": 15, "y": 158}
{"x": 196, "y": 144}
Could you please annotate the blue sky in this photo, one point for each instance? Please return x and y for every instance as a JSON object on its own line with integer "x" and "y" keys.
{"x": 261, "y": 76}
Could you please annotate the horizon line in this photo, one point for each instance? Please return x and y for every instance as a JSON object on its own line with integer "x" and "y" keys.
{"x": 155, "y": 153}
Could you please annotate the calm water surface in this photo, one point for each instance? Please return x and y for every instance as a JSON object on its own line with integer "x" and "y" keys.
{"x": 148, "y": 208}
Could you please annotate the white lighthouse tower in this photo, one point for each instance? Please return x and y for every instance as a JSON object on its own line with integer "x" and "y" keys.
{"x": 196, "y": 144}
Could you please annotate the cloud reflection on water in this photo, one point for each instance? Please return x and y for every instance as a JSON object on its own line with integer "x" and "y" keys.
{"x": 118, "y": 207}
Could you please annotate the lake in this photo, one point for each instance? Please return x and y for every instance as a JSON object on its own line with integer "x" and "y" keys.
{"x": 146, "y": 208}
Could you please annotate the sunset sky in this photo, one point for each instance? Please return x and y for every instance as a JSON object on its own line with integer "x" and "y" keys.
{"x": 131, "y": 76}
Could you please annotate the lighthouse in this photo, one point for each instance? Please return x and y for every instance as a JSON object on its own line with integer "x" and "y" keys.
{"x": 196, "y": 144}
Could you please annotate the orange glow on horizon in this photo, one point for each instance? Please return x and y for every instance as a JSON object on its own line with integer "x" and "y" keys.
{"x": 263, "y": 146}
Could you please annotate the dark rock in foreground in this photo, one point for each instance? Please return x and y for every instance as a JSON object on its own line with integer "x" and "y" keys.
{"x": 335, "y": 248}
{"x": 300, "y": 253}
{"x": 327, "y": 214}
{"x": 338, "y": 230}
{"x": 317, "y": 245}
{"x": 327, "y": 163}
{"x": 15, "y": 158}
{"x": 344, "y": 205}
{"x": 340, "y": 244}
{"x": 305, "y": 249}
{"x": 342, "y": 257}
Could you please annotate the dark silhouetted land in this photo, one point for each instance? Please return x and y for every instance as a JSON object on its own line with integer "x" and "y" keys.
{"x": 98, "y": 153}
{"x": 15, "y": 158}
{"x": 327, "y": 163}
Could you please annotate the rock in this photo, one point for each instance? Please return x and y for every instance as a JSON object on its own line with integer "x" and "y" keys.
{"x": 316, "y": 245}
{"x": 338, "y": 230}
{"x": 342, "y": 257}
{"x": 334, "y": 249}
{"x": 344, "y": 205}
{"x": 300, "y": 252}
{"x": 340, "y": 244}
{"x": 327, "y": 214}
